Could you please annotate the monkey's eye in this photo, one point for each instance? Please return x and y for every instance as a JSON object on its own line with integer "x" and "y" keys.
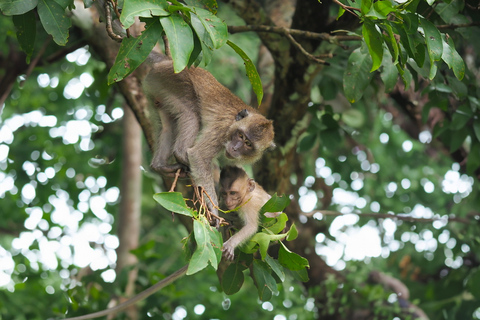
{"x": 240, "y": 135}
{"x": 233, "y": 193}
{"x": 248, "y": 143}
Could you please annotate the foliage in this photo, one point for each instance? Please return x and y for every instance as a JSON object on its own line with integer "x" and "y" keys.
{"x": 388, "y": 184}
{"x": 266, "y": 271}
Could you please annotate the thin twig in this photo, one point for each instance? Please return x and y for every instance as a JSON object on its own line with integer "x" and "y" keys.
{"x": 293, "y": 32}
{"x": 303, "y": 51}
{"x": 174, "y": 184}
{"x": 347, "y": 8}
{"x": 476, "y": 217}
{"x": 108, "y": 23}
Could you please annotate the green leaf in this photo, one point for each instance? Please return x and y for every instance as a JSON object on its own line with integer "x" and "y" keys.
{"x": 275, "y": 204}
{"x": 461, "y": 116}
{"x": 205, "y": 39}
{"x": 473, "y": 160}
{"x": 142, "y": 8}
{"x": 457, "y": 138}
{"x": 473, "y": 283}
{"x": 263, "y": 241}
{"x": 476, "y": 128}
{"x": 279, "y": 224}
{"x": 266, "y": 284}
{"x": 307, "y": 142}
{"x": 300, "y": 275}
{"x": 357, "y": 75}
{"x": 365, "y": 6}
{"x": 216, "y": 28}
{"x": 276, "y": 267}
{"x": 180, "y": 38}
{"x": 452, "y": 58}
{"x": 292, "y": 233}
{"x": 202, "y": 254}
{"x": 54, "y": 21}
{"x": 291, "y": 260}
{"x": 199, "y": 260}
{"x": 391, "y": 42}
{"x": 12, "y": 8}
{"x": 374, "y": 41}
{"x": 233, "y": 278}
{"x": 433, "y": 39}
{"x": 173, "y": 201}
{"x": 210, "y": 5}
{"x": 216, "y": 242}
{"x": 26, "y": 31}
{"x": 133, "y": 51}
{"x": 252, "y": 72}
{"x": 384, "y": 7}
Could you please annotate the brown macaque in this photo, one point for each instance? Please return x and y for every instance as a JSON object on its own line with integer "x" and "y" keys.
{"x": 238, "y": 190}
{"x": 201, "y": 121}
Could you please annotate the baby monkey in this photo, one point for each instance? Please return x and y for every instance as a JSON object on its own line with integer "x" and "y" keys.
{"x": 238, "y": 190}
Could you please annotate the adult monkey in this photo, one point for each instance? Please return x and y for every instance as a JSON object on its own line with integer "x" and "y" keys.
{"x": 201, "y": 121}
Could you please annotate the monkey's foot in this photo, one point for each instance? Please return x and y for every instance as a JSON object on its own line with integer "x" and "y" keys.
{"x": 228, "y": 251}
{"x": 171, "y": 169}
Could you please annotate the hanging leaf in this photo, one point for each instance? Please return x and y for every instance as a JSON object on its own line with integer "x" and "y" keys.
{"x": 433, "y": 39}
{"x": 216, "y": 28}
{"x": 133, "y": 51}
{"x": 452, "y": 58}
{"x": 275, "y": 204}
{"x": 54, "y": 21}
{"x": 26, "y": 31}
{"x": 13, "y": 8}
{"x": 291, "y": 260}
{"x": 266, "y": 284}
{"x": 173, "y": 201}
{"x": 374, "y": 41}
{"x": 276, "y": 267}
{"x": 142, "y": 8}
{"x": 357, "y": 75}
{"x": 252, "y": 72}
{"x": 233, "y": 278}
{"x": 180, "y": 38}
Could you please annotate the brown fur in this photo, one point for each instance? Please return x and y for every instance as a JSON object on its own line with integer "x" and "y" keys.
{"x": 198, "y": 119}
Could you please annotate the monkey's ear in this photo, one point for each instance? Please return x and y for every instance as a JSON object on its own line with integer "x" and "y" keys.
{"x": 272, "y": 146}
{"x": 251, "y": 185}
{"x": 242, "y": 114}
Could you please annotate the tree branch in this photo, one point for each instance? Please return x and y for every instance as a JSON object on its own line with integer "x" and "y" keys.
{"x": 293, "y": 32}
{"x": 475, "y": 217}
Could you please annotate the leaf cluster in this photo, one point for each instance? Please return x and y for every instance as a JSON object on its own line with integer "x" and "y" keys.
{"x": 266, "y": 271}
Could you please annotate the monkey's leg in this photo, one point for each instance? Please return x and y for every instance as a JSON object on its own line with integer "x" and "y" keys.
{"x": 188, "y": 126}
{"x": 200, "y": 157}
{"x": 163, "y": 149}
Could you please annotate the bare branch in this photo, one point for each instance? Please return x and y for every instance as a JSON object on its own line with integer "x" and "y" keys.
{"x": 108, "y": 23}
{"x": 475, "y": 217}
{"x": 293, "y": 32}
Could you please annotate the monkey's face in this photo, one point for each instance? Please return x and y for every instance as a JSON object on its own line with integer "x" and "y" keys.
{"x": 233, "y": 196}
{"x": 239, "y": 146}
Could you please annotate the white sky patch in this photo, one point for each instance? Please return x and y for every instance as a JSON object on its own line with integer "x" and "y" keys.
{"x": 4, "y": 149}
{"x": 308, "y": 202}
{"x": 407, "y": 145}
{"x": 362, "y": 242}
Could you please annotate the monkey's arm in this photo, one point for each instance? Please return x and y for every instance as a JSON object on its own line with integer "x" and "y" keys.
{"x": 250, "y": 218}
{"x": 142, "y": 295}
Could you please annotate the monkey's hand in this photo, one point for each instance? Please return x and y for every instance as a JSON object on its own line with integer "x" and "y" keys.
{"x": 169, "y": 170}
{"x": 228, "y": 251}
